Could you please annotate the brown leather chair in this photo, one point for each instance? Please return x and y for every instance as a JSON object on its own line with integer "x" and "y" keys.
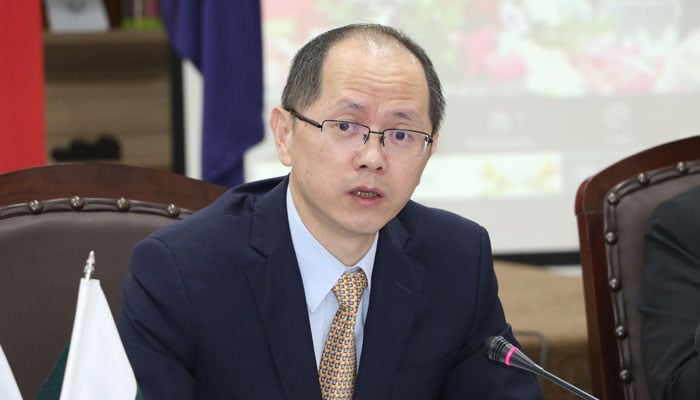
{"x": 612, "y": 209}
{"x": 50, "y": 218}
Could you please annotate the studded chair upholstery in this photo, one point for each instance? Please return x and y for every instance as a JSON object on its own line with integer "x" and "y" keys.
{"x": 50, "y": 218}
{"x": 613, "y": 208}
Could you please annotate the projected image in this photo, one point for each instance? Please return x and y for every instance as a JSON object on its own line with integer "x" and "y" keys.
{"x": 496, "y": 175}
{"x": 556, "y": 48}
{"x": 572, "y": 48}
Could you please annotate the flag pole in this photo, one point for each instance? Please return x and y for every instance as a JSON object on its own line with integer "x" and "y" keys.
{"x": 89, "y": 269}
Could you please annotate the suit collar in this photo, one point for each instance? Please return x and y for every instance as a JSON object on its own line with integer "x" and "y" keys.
{"x": 269, "y": 228}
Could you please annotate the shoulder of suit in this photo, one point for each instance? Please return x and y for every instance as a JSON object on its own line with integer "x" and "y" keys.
{"x": 238, "y": 202}
{"x": 418, "y": 217}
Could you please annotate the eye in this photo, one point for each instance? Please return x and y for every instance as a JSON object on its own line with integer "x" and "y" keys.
{"x": 346, "y": 129}
{"x": 400, "y": 136}
{"x": 343, "y": 126}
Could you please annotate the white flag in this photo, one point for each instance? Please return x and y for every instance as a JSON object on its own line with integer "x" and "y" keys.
{"x": 8, "y": 385}
{"x": 97, "y": 365}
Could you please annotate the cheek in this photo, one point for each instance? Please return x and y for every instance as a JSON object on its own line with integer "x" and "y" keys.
{"x": 410, "y": 178}
{"x": 300, "y": 153}
{"x": 317, "y": 187}
{"x": 317, "y": 171}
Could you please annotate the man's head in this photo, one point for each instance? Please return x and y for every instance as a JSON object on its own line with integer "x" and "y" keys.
{"x": 358, "y": 124}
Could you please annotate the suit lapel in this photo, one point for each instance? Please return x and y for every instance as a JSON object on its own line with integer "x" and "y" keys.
{"x": 397, "y": 286}
{"x": 279, "y": 295}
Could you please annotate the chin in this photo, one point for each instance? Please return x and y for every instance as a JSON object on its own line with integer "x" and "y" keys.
{"x": 367, "y": 226}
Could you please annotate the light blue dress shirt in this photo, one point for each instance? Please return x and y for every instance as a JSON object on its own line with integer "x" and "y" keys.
{"x": 320, "y": 270}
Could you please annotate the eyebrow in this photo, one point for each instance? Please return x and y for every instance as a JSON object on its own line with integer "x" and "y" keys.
{"x": 347, "y": 103}
{"x": 353, "y": 105}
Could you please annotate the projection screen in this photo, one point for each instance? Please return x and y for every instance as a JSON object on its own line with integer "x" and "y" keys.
{"x": 540, "y": 95}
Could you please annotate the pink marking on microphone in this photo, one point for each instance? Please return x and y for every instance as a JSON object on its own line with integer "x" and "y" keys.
{"x": 510, "y": 353}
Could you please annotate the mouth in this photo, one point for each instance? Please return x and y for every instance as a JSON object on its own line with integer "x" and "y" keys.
{"x": 366, "y": 194}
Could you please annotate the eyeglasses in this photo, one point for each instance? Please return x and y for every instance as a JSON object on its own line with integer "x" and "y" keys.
{"x": 350, "y": 136}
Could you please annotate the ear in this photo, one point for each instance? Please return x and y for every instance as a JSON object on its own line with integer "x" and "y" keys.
{"x": 433, "y": 145}
{"x": 281, "y": 124}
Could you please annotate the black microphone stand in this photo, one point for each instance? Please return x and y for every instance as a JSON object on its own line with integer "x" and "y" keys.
{"x": 498, "y": 349}
{"x": 562, "y": 383}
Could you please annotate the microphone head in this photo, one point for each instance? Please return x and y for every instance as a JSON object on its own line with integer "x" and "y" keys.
{"x": 496, "y": 348}
{"x": 500, "y": 350}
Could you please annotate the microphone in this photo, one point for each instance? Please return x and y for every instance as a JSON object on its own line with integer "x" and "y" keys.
{"x": 498, "y": 349}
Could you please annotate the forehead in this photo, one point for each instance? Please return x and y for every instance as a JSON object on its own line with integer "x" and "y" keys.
{"x": 364, "y": 49}
{"x": 373, "y": 68}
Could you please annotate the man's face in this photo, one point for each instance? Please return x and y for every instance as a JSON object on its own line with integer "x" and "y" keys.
{"x": 349, "y": 195}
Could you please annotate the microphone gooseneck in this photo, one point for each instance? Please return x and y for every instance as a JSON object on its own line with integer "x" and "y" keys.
{"x": 498, "y": 349}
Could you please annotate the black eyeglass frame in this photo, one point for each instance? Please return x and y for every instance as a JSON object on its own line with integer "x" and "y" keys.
{"x": 319, "y": 125}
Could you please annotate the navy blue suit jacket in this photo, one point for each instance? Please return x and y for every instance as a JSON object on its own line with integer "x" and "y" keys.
{"x": 214, "y": 308}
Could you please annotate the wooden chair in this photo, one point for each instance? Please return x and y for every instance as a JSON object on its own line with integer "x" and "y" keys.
{"x": 612, "y": 209}
{"x": 50, "y": 218}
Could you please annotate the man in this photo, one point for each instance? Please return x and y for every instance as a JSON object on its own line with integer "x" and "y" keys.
{"x": 670, "y": 299}
{"x": 237, "y": 301}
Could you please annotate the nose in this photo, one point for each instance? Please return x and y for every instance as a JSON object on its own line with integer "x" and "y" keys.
{"x": 371, "y": 154}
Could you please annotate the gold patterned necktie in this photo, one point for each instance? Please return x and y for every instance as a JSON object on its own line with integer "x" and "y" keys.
{"x": 338, "y": 363}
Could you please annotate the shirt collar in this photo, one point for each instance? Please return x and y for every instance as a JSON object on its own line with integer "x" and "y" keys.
{"x": 319, "y": 269}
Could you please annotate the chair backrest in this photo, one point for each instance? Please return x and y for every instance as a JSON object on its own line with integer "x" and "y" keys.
{"x": 613, "y": 208}
{"x": 50, "y": 218}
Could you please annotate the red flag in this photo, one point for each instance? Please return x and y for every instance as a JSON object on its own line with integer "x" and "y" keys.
{"x": 22, "y": 124}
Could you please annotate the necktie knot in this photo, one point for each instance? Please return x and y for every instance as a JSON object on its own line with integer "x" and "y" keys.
{"x": 348, "y": 290}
